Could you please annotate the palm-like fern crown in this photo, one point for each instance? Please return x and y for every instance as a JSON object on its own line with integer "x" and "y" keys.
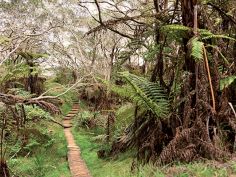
{"x": 195, "y": 44}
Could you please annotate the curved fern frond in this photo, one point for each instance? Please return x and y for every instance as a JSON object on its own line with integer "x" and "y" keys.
{"x": 147, "y": 94}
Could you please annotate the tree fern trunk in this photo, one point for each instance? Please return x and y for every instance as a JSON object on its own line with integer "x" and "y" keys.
{"x": 187, "y": 8}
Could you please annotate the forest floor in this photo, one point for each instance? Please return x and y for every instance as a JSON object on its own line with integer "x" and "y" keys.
{"x": 76, "y": 164}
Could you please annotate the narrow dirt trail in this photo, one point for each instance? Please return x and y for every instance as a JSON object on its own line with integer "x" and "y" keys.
{"x": 77, "y": 166}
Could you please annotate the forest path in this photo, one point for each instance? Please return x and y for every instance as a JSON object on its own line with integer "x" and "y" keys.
{"x": 77, "y": 166}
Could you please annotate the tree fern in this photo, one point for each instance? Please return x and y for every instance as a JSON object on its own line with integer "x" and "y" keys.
{"x": 147, "y": 94}
{"x": 196, "y": 45}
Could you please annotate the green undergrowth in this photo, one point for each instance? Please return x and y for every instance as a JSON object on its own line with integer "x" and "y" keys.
{"x": 121, "y": 165}
{"x": 124, "y": 117}
{"x": 43, "y": 160}
{"x": 45, "y": 153}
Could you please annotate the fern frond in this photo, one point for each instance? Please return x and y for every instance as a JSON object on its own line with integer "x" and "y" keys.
{"x": 176, "y": 32}
{"x": 175, "y": 27}
{"x": 124, "y": 115}
{"x": 214, "y": 36}
{"x": 147, "y": 94}
{"x": 226, "y": 82}
{"x": 204, "y": 32}
{"x": 196, "y": 47}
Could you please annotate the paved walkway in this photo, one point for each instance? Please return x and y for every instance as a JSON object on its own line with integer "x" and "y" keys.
{"x": 77, "y": 166}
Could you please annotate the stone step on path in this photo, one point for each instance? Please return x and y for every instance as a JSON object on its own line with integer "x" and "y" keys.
{"x": 77, "y": 166}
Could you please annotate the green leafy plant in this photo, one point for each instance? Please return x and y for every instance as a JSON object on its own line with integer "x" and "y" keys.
{"x": 215, "y": 36}
{"x": 21, "y": 92}
{"x": 87, "y": 119}
{"x": 36, "y": 113}
{"x": 146, "y": 94}
{"x": 14, "y": 72}
{"x": 85, "y": 115}
{"x": 124, "y": 116}
{"x": 196, "y": 47}
{"x": 226, "y": 82}
{"x": 176, "y": 31}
